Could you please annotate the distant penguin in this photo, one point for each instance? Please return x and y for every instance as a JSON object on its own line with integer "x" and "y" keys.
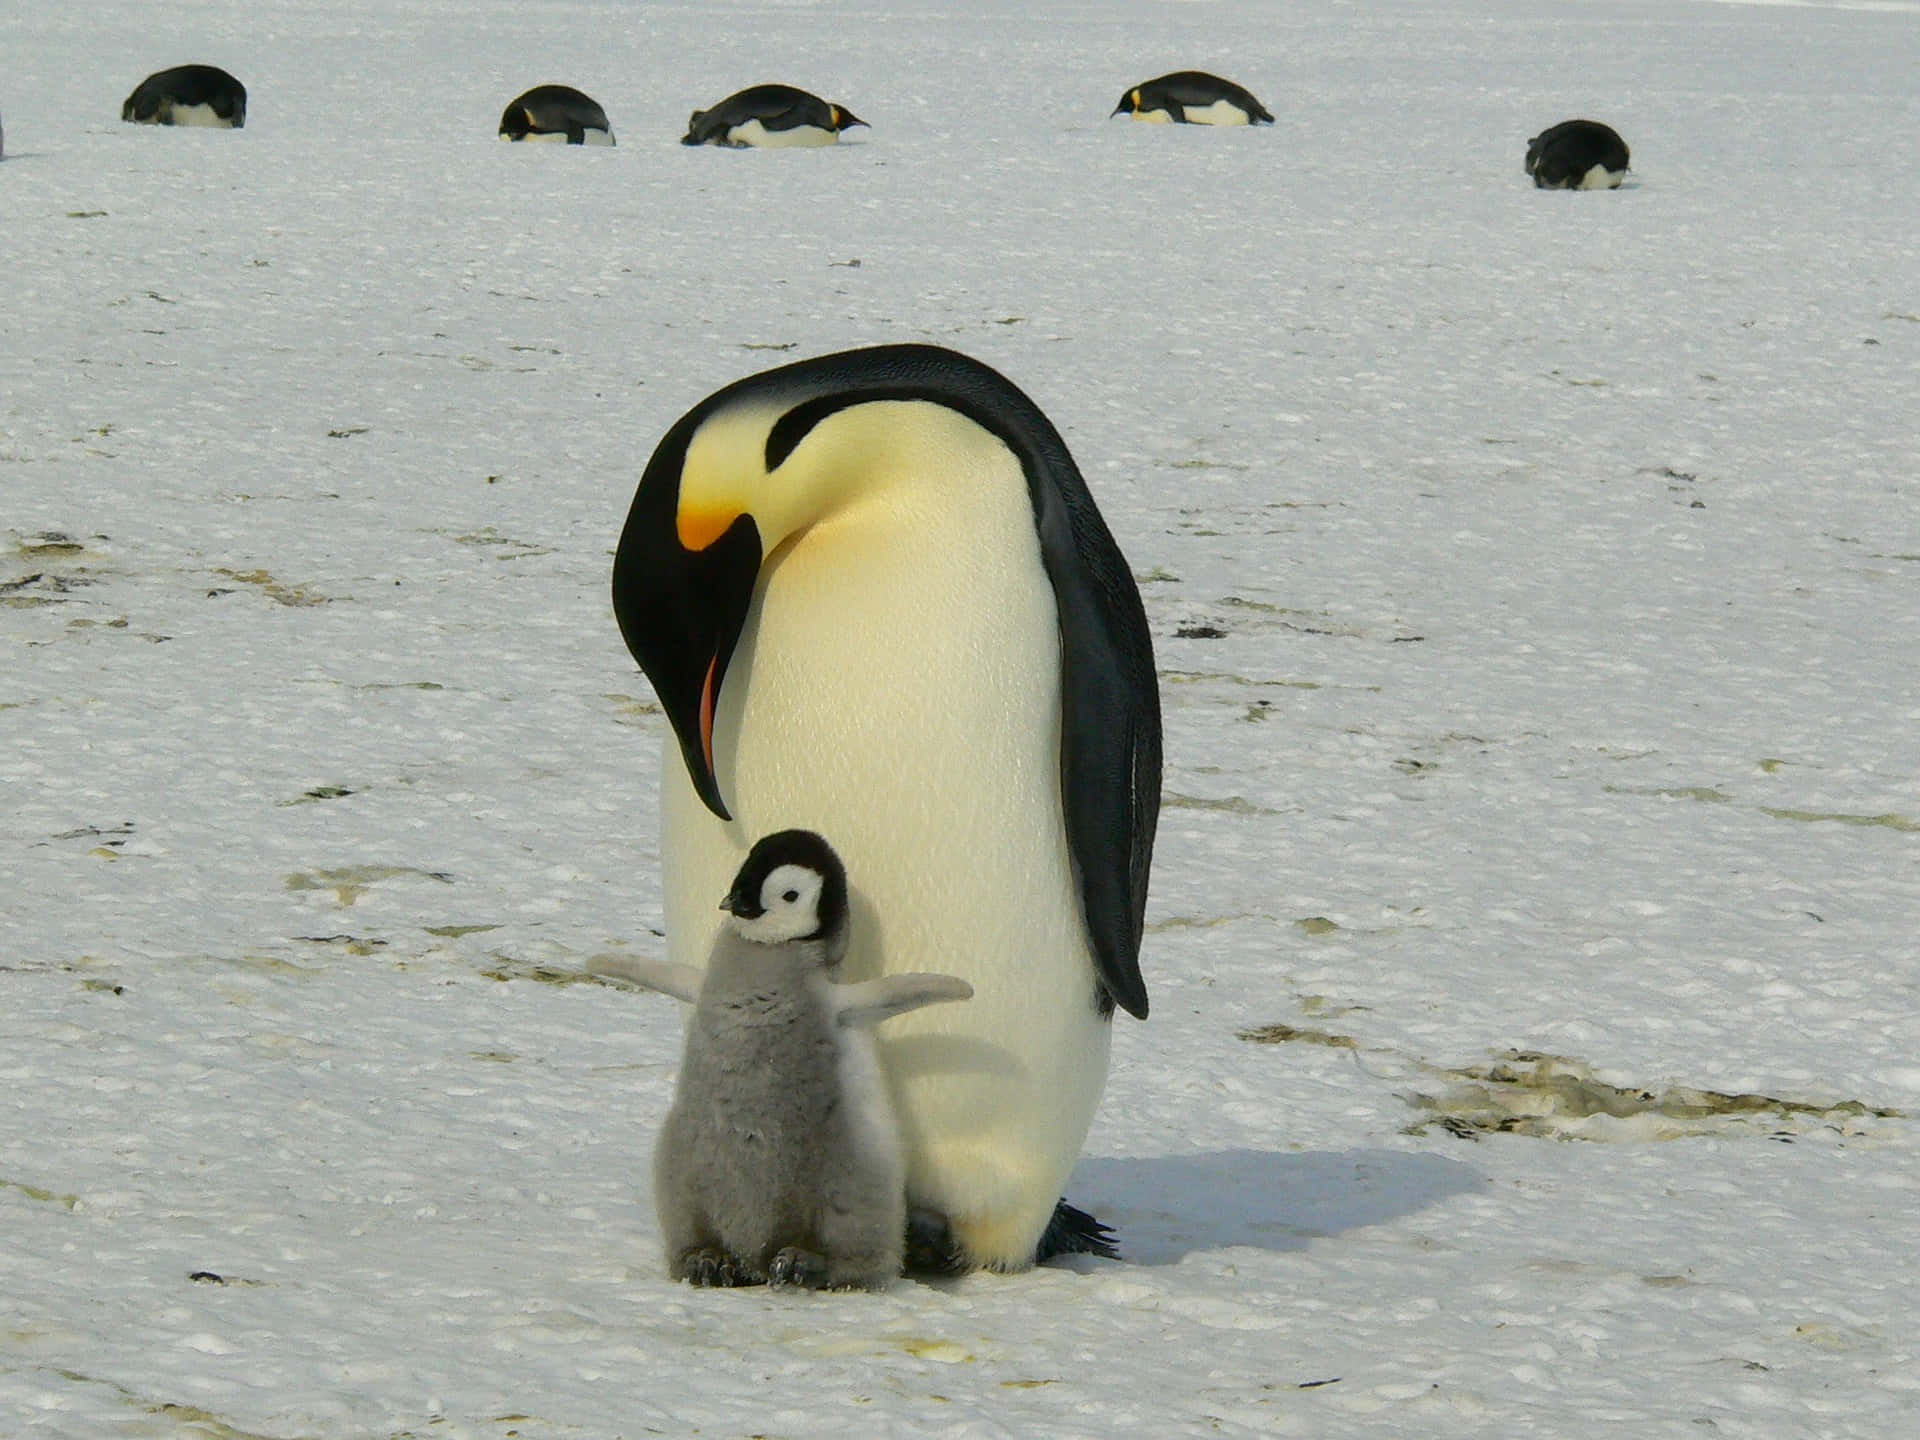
{"x": 873, "y": 593}
{"x": 557, "y": 113}
{"x": 1577, "y": 155}
{"x": 1192, "y": 97}
{"x": 769, "y": 117}
{"x": 188, "y": 95}
{"x": 780, "y": 1161}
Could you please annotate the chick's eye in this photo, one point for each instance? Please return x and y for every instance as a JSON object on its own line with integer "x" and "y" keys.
{"x": 791, "y": 896}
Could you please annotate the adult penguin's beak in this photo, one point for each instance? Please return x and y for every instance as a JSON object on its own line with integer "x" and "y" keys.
{"x": 682, "y": 586}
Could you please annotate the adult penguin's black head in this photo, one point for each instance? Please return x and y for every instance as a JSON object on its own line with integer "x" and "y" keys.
{"x": 682, "y": 586}
{"x": 725, "y": 487}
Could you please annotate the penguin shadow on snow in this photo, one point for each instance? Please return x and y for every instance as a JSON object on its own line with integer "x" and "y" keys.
{"x": 1168, "y": 1207}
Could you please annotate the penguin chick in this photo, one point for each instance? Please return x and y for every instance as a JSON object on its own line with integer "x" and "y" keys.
{"x": 1577, "y": 155}
{"x": 1192, "y": 97}
{"x": 770, "y": 117}
{"x": 780, "y": 1161}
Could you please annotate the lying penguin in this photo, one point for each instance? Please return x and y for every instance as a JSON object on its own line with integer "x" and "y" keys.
{"x": 188, "y": 95}
{"x": 1192, "y": 97}
{"x": 780, "y": 1162}
{"x": 1577, "y": 155}
{"x": 770, "y": 117}
{"x": 556, "y": 113}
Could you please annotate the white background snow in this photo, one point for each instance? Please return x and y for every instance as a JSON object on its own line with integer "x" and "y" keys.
{"x": 1552, "y": 783}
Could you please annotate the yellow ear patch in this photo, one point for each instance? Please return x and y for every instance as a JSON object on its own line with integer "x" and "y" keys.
{"x": 700, "y": 525}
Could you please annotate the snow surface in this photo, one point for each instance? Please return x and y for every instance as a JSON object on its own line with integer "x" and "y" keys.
{"x": 1536, "y": 585}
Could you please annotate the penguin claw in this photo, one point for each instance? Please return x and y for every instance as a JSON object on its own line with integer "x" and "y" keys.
{"x": 1072, "y": 1231}
{"x": 932, "y": 1251}
{"x": 930, "y": 1247}
{"x": 714, "y": 1267}
{"x": 800, "y": 1268}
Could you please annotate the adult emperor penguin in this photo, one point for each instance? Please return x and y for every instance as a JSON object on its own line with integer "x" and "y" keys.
{"x": 780, "y": 1161}
{"x": 770, "y": 116}
{"x": 1577, "y": 155}
{"x": 188, "y": 95}
{"x": 1192, "y": 97}
{"x": 556, "y": 113}
{"x": 876, "y": 599}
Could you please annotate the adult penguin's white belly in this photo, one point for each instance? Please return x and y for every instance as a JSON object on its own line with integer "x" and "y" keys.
{"x": 902, "y": 697}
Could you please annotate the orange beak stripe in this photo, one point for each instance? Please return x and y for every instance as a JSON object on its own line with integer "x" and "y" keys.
{"x": 699, "y": 527}
{"x": 706, "y": 713}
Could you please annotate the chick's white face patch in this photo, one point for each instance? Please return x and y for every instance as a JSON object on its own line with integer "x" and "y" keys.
{"x": 790, "y": 907}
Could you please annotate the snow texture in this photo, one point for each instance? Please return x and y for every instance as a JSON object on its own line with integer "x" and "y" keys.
{"x": 1535, "y": 579}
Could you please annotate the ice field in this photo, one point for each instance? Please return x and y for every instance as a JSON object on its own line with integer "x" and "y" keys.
{"x": 1535, "y": 587}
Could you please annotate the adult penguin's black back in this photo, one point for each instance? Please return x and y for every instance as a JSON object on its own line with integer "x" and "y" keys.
{"x": 556, "y": 112}
{"x": 188, "y": 95}
{"x": 769, "y": 116}
{"x": 1193, "y": 97}
{"x": 1577, "y": 155}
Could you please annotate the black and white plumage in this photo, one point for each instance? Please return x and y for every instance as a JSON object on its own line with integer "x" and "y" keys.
{"x": 1577, "y": 155}
{"x": 188, "y": 95}
{"x": 780, "y": 1161}
{"x": 769, "y": 117}
{"x": 556, "y": 113}
{"x": 875, "y": 596}
{"x": 1192, "y": 97}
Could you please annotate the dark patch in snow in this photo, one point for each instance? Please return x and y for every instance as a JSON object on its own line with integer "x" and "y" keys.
{"x": 1553, "y": 1097}
{"x": 318, "y": 792}
{"x": 1277, "y": 1034}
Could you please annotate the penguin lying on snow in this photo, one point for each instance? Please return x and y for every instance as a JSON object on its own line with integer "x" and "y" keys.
{"x": 188, "y": 95}
{"x": 556, "y": 113}
{"x": 780, "y": 1161}
{"x": 1577, "y": 155}
{"x": 1192, "y": 97}
{"x": 874, "y": 595}
{"x": 769, "y": 116}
